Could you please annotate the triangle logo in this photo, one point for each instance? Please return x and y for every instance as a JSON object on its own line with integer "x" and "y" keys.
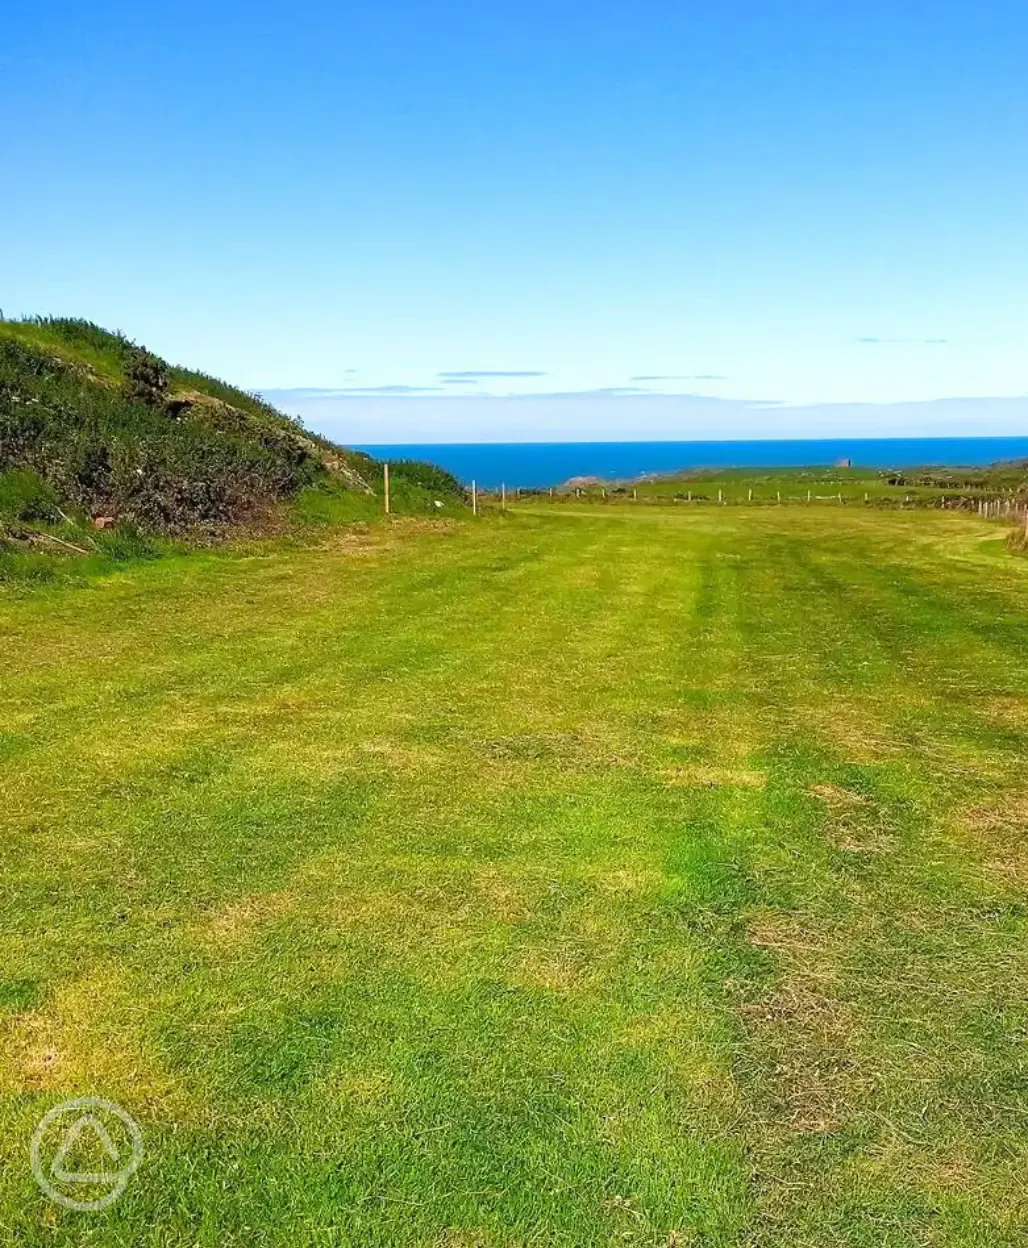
{"x": 96, "y": 1129}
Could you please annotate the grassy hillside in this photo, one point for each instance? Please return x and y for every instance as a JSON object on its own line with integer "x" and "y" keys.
{"x": 646, "y": 876}
{"x": 93, "y": 426}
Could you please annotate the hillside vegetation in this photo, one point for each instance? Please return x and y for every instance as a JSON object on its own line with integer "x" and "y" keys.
{"x": 95, "y": 430}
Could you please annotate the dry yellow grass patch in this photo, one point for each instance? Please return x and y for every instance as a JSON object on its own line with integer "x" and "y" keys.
{"x": 589, "y": 747}
{"x": 326, "y": 754}
{"x": 703, "y": 776}
{"x": 425, "y": 914}
{"x": 625, "y": 880}
{"x": 236, "y": 921}
{"x": 999, "y": 833}
{"x": 1010, "y": 710}
{"x": 837, "y": 797}
{"x": 355, "y": 540}
{"x": 437, "y": 916}
{"x": 503, "y": 897}
{"x": 853, "y": 825}
{"x": 806, "y": 1031}
{"x": 89, "y": 1036}
{"x": 785, "y": 934}
{"x": 558, "y": 969}
{"x": 470, "y": 1237}
{"x": 433, "y": 922}
{"x": 957, "y": 1166}
{"x": 862, "y": 840}
{"x": 805, "y": 1027}
{"x": 591, "y": 944}
{"x": 404, "y": 914}
{"x": 853, "y": 729}
{"x": 362, "y": 540}
{"x": 354, "y": 1087}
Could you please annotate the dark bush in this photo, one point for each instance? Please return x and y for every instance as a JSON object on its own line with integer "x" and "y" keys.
{"x": 146, "y": 377}
{"x": 95, "y": 446}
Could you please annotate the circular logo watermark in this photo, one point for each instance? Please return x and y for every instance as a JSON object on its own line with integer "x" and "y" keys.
{"x": 84, "y": 1152}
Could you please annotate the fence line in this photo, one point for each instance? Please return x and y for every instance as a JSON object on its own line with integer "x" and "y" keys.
{"x": 1013, "y": 509}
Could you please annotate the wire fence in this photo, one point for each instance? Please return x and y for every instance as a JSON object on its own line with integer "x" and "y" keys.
{"x": 992, "y": 506}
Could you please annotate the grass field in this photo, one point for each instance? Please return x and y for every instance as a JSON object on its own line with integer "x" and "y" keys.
{"x": 955, "y": 488}
{"x": 585, "y": 877}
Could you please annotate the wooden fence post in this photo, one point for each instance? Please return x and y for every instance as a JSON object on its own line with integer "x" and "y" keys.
{"x": 385, "y": 480}
{"x": 503, "y": 496}
{"x": 474, "y": 498}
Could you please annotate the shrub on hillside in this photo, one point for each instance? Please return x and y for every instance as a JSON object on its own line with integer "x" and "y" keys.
{"x": 97, "y": 447}
{"x": 428, "y": 476}
{"x": 146, "y": 377}
{"x": 110, "y": 429}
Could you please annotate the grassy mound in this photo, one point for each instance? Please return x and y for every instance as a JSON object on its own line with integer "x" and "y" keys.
{"x": 94, "y": 427}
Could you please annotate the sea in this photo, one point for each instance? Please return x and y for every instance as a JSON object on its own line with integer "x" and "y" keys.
{"x": 536, "y": 464}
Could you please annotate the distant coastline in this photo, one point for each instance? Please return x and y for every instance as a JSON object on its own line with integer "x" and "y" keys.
{"x": 534, "y": 464}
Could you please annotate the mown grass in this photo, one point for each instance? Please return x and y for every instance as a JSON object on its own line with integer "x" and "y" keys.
{"x": 593, "y": 876}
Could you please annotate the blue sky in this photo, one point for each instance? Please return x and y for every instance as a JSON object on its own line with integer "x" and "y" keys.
{"x": 794, "y": 207}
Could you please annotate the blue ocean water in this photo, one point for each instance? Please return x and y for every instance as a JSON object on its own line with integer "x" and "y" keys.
{"x": 531, "y": 464}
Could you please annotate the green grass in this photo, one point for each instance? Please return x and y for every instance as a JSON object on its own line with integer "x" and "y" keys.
{"x": 643, "y": 876}
{"x": 925, "y": 487}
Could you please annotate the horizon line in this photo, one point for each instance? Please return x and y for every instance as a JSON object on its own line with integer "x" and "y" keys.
{"x": 910, "y": 437}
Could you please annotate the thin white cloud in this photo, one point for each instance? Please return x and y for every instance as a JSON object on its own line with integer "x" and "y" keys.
{"x": 929, "y": 342}
{"x": 679, "y": 377}
{"x": 606, "y": 416}
{"x": 475, "y": 373}
{"x": 315, "y": 395}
